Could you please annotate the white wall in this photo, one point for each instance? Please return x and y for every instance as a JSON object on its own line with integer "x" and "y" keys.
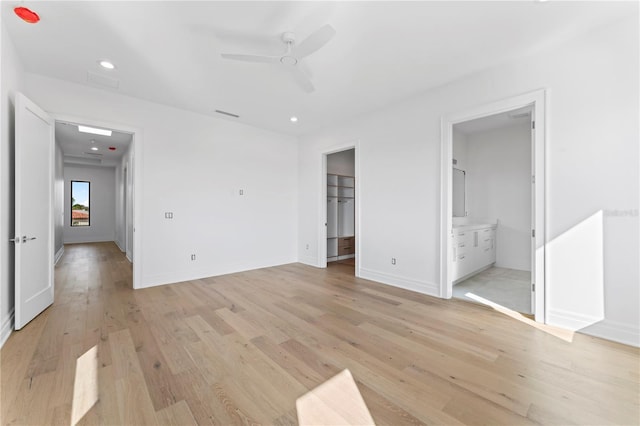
{"x": 342, "y": 163}
{"x": 102, "y": 204}
{"x": 459, "y": 149}
{"x": 194, "y": 166}
{"x": 11, "y": 72}
{"x": 592, "y": 146}
{"x": 499, "y": 187}
{"x": 58, "y": 203}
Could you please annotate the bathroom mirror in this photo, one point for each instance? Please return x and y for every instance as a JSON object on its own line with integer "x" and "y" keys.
{"x": 459, "y": 186}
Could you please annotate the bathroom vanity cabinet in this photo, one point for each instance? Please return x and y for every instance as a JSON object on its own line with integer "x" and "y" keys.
{"x": 474, "y": 250}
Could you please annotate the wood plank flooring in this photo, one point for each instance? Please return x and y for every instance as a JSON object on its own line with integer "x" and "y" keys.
{"x": 241, "y": 348}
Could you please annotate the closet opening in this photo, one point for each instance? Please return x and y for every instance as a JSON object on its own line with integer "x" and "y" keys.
{"x": 341, "y": 210}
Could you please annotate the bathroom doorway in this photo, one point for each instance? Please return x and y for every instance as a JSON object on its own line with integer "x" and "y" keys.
{"x": 492, "y": 215}
{"x": 493, "y": 247}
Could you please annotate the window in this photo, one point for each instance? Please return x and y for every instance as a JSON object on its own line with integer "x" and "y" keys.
{"x": 80, "y": 203}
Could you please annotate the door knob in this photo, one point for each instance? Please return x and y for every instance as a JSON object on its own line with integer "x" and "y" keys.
{"x": 25, "y": 239}
{"x": 15, "y": 240}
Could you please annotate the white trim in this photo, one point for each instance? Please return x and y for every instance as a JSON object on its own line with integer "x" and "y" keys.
{"x": 119, "y": 246}
{"x": 59, "y": 254}
{"x": 322, "y": 229}
{"x": 424, "y": 287}
{"x": 538, "y": 99}
{"x": 182, "y": 276}
{"x": 136, "y": 164}
{"x": 309, "y": 260}
{"x": 570, "y": 320}
{"x": 615, "y": 331}
{"x": 99, "y": 239}
{"x": 7, "y": 328}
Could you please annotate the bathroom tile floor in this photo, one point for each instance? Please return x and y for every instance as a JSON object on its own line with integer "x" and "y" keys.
{"x": 507, "y": 287}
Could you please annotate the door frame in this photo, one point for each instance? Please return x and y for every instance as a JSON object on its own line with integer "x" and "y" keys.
{"x": 322, "y": 228}
{"x": 135, "y": 174}
{"x": 538, "y": 101}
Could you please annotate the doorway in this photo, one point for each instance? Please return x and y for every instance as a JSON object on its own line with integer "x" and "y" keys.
{"x": 492, "y": 216}
{"x": 341, "y": 184}
{"x": 110, "y": 162}
{"x": 470, "y": 239}
{"x": 339, "y": 233}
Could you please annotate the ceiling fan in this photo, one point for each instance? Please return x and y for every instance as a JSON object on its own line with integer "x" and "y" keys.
{"x": 293, "y": 54}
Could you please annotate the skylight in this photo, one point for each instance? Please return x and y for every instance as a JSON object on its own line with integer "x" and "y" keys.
{"x": 93, "y": 130}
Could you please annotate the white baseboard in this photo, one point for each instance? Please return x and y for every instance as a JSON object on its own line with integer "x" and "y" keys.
{"x": 90, "y": 239}
{"x": 309, "y": 260}
{"x": 129, "y": 257}
{"x": 58, "y": 255}
{"x": 627, "y": 334}
{"x": 7, "y": 328}
{"x": 119, "y": 246}
{"x": 196, "y": 274}
{"x": 424, "y": 287}
{"x": 570, "y": 320}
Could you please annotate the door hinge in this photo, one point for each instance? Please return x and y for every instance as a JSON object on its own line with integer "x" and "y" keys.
{"x": 533, "y": 233}
{"x": 533, "y": 286}
{"x": 533, "y": 125}
{"x": 533, "y": 179}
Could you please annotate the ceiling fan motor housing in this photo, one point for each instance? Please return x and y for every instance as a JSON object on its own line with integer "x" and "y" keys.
{"x": 289, "y": 37}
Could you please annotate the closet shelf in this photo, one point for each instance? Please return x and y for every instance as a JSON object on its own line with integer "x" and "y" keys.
{"x": 340, "y": 217}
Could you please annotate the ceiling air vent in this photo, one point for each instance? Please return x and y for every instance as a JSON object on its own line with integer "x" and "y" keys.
{"x": 95, "y": 154}
{"x": 227, "y": 113}
{"x": 81, "y": 160}
{"x": 102, "y": 81}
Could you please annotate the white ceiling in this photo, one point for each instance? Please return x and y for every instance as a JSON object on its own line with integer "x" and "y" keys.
{"x": 76, "y": 146}
{"x": 169, "y": 51}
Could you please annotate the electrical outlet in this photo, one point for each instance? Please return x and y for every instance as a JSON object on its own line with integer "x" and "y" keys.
{"x": 168, "y": 215}
{"x": 393, "y": 260}
{"x": 193, "y": 257}
{"x": 241, "y": 192}
{"x": 307, "y": 246}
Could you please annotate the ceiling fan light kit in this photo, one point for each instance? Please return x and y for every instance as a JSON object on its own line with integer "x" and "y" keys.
{"x": 293, "y": 54}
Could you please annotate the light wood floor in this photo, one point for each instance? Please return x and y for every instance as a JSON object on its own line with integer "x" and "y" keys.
{"x": 242, "y": 348}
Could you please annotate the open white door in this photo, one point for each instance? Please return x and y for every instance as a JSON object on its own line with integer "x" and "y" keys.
{"x": 34, "y": 256}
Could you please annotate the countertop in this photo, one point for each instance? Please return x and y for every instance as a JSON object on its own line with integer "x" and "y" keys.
{"x": 474, "y": 226}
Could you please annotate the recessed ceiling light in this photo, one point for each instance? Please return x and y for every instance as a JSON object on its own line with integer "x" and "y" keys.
{"x": 106, "y": 64}
{"x": 94, "y": 148}
{"x": 293, "y": 119}
{"x": 93, "y": 130}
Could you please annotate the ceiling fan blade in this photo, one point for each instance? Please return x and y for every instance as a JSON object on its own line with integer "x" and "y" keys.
{"x": 314, "y": 42}
{"x": 302, "y": 80}
{"x": 251, "y": 58}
